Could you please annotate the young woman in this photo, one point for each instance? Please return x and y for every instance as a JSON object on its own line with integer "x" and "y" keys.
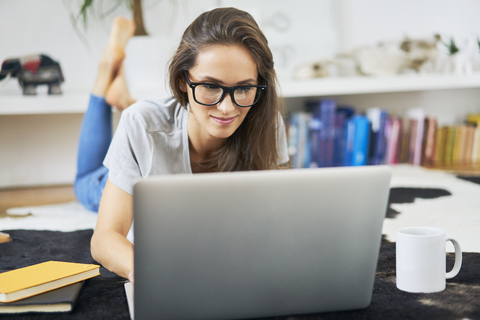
{"x": 223, "y": 116}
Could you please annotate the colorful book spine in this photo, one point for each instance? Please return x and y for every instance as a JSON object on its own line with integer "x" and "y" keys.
{"x": 476, "y": 146}
{"x": 459, "y": 145}
{"x": 467, "y": 157}
{"x": 339, "y": 139}
{"x": 298, "y": 139}
{"x": 417, "y": 117}
{"x": 349, "y": 142}
{"x": 327, "y": 109}
{"x": 377, "y": 118}
{"x": 430, "y": 138}
{"x": 314, "y": 134}
{"x": 439, "y": 155}
{"x": 394, "y": 140}
{"x": 360, "y": 141}
{"x": 449, "y": 143}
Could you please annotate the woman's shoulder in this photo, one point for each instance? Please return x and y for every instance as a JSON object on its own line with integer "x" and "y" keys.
{"x": 164, "y": 114}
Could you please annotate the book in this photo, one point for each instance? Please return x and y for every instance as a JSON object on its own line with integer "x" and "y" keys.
{"x": 394, "y": 140}
{"x": 412, "y": 138}
{"x": 342, "y": 114}
{"x": 349, "y": 141}
{"x": 299, "y": 145}
{"x": 459, "y": 145}
{"x": 449, "y": 143}
{"x": 439, "y": 155}
{"x": 469, "y": 137}
{"x": 58, "y": 300}
{"x": 327, "y": 135}
{"x": 358, "y": 140}
{"x": 405, "y": 141}
{"x": 322, "y": 132}
{"x": 377, "y": 118}
{"x": 417, "y": 118}
{"x": 428, "y": 152}
{"x": 476, "y": 146}
{"x": 314, "y": 139}
{"x": 39, "y": 278}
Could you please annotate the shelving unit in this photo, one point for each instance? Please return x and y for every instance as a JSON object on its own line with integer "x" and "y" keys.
{"x": 368, "y": 85}
{"x": 76, "y": 102}
{"x": 69, "y": 102}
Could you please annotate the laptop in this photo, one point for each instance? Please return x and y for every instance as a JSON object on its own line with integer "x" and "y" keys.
{"x": 259, "y": 243}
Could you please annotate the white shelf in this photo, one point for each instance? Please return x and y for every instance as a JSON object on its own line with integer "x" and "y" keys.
{"x": 76, "y": 102}
{"x": 364, "y": 85}
{"x": 66, "y": 103}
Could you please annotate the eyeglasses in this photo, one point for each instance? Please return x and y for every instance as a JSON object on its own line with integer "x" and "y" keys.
{"x": 210, "y": 94}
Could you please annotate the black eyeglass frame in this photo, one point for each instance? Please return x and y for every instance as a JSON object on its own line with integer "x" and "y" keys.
{"x": 226, "y": 90}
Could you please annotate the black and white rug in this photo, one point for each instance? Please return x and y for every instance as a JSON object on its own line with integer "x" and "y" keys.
{"x": 418, "y": 197}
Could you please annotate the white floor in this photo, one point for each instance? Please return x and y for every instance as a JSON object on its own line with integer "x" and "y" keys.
{"x": 458, "y": 214}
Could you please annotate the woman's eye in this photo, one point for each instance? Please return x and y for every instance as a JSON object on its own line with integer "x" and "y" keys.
{"x": 245, "y": 89}
{"x": 210, "y": 87}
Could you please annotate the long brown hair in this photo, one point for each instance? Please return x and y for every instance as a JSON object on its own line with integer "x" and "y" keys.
{"x": 253, "y": 146}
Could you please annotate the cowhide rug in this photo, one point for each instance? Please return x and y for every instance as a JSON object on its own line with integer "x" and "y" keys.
{"x": 103, "y": 297}
{"x": 418, "y": 197}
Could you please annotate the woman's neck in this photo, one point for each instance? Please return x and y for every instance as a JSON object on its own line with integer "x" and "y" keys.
{"x": 201, "y": 145}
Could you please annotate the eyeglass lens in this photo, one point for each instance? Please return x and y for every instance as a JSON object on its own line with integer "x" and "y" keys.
{"x": 243, "y": 96}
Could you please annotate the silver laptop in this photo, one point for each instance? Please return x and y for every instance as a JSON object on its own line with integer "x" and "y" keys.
{"x": 257, "y": 244}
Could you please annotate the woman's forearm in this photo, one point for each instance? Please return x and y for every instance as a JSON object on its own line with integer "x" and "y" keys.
{"x": 113, "y": 251}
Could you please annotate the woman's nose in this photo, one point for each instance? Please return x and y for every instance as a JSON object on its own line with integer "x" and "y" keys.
{"x": 226, "y": 105}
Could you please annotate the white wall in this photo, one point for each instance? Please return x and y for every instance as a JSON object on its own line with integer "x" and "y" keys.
{"x": 364, "y": 22}
{"x": 41, "y": 149}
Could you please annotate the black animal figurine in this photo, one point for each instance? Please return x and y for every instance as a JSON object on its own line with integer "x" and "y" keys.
{"x": 34, "y": 70}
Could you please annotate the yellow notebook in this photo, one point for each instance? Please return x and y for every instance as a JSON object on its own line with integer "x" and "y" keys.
{"x": 42, "y": 277}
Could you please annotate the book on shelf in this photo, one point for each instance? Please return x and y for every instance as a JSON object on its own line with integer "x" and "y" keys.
{"x": 468, "y": 149}
{"x": 439, "y": 154}
{"x": 449, "y": 145}
{"x": 476, "y": 145}
{"x": 380, "y": 138}
{"x": 59, "y": 300}
{"x": 429, "y": 144}
{"x": 378, "y": 121}
{"x": 342, "y": 114}
{"x": 416, "y": 123}
{"x": 405, "y": 143}
{"x": 298, "y": 138}
{"x": 459, "y": 145}
{"x": 39, "y": 278}
{"x": 358, "y": 130}
{"x": 322, "y": 132}
{"x": 394, "y": 140}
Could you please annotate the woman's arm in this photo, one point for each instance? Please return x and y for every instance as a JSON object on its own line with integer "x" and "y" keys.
{"x": 109, "y": 245}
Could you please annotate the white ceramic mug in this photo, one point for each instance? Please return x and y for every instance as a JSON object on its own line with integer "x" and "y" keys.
{"x": 421, "y": 259}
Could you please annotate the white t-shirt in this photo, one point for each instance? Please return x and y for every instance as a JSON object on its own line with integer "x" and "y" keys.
{"x": 152, "y": 139}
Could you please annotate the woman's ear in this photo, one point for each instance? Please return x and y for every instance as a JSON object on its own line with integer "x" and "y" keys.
{"x": 182, "y": 84}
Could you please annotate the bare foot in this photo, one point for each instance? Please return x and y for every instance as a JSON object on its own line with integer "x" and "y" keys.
{"x": 117, "y": 94}
{"x": 112, "y": 58}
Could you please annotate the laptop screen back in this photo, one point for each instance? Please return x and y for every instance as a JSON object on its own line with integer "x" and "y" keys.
{"x": 257, "y": 244}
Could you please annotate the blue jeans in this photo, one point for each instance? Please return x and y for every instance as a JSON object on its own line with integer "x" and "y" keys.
{"x": 95, "y": 138}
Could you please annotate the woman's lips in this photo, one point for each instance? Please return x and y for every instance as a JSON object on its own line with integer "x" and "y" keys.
{"x": 224, "y": 121}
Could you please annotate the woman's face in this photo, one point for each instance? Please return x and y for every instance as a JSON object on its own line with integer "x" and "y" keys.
{"x": 226, "y": 65}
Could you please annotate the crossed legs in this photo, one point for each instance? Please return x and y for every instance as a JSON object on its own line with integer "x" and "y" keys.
{"x": 110, "y": 89}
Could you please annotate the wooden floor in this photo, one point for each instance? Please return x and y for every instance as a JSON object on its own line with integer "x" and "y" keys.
{"x": 34, "y": 197}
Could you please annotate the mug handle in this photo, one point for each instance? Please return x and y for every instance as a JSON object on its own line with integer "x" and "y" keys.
{"x": 458, "y": 260}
